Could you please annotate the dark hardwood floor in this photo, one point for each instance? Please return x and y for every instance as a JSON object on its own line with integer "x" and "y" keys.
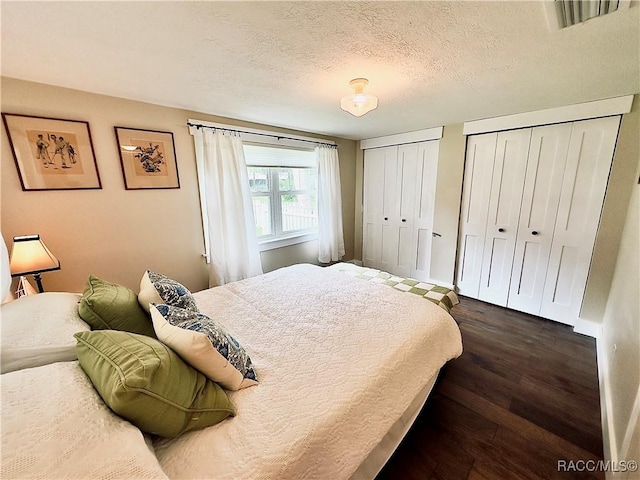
{"x": 523, "y": 396}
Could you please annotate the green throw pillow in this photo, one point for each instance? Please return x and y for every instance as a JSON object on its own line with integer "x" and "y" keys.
{"x": 145, "y": 382}
{"x": 108, "y": 306}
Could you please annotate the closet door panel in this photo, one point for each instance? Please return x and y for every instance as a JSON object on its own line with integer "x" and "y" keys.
{"x": 543, "y": 182}
{"x": 371, "y": 247}
{"x": 390, "y": 201}
{"x": 389, "y": 246}
{"x": 427, "y": 169}
{"x": 504, "y": 211}
{"x": 407, "y": 168}
{"x": 404, "y": 221}
{"x": 474, "y": 211}
{"x": 374, "y": 195}
{"x": 587, "y": 171}
{"x": 405, "y": 253}
{"x": 390, "y": 207}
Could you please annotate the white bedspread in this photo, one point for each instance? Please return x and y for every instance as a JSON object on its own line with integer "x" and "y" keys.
{"x": 339, "y": 361}
{"x": 55, "y": 426}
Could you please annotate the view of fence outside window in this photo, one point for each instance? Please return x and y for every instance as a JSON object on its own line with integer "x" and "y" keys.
{"x": 285, "y": 200}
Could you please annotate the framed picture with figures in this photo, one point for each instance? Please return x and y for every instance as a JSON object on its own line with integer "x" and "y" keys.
{"x": 148, "y": 158}
{"x": 52, "y": 153}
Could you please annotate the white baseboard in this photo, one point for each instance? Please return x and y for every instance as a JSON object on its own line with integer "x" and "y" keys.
{"x": 356, "y": 262}
{"x": 606, "y": 407}
{"x": 587, "y": 327}
{"x": 631, "y": 444}
{"x": 450, "y": 286}
{"x": 630, "y": 447}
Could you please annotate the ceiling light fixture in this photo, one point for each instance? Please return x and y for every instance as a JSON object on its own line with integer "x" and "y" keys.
{"x": 359, "y": 103}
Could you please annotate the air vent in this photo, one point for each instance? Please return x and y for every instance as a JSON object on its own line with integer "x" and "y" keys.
{"x": 565, "y": 13}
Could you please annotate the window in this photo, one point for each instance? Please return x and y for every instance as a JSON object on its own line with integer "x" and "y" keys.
{"x": 284, "y": 189}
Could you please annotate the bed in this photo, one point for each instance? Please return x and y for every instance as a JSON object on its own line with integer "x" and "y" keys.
{"x": 344, "y": 366}
{"x": 38, "y": 330}
{"x": 444, "y": 297}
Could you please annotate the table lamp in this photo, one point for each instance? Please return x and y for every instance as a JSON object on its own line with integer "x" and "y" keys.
{"x": 30, "y": 256}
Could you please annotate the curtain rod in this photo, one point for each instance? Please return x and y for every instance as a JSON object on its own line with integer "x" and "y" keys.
{"x": 279, "y": 137}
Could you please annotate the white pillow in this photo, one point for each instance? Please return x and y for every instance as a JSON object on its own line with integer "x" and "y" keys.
{"x": 5, "y": 270}
{"x": 158, "y": 288}
{"x": 54, "y": 425}
{"x": 38, "y": 330}
{"x": 204, "y": 345}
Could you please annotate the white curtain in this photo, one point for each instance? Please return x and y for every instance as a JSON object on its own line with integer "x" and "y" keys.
{"x": 330, "y": 238}
{"x": 227, "y": 209}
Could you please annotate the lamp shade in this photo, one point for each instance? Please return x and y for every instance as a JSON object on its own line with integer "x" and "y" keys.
{"x": 30, "y": 255}
{"x": 359, "y": 103}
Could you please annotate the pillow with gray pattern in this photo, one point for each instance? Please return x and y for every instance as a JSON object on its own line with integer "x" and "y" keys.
{"x": 205, "y": 345}
{"x": 158, "y": 288}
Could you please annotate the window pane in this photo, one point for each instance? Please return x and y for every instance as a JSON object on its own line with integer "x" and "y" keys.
{"x": 285, "y": 180}
{"x": 278, "y": 156}
{"x": 262, "y": 214}
{"x": 259, "y": 179}
{"x": 299, "y": 211}
{"x": 297, "y": 179}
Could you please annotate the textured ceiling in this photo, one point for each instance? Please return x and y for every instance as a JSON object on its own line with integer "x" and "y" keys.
{"x": 289, "y": 63}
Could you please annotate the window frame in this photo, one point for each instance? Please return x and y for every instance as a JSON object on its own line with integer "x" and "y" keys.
{"x": 278, "y": 238}
{"x": 265, "y": 137}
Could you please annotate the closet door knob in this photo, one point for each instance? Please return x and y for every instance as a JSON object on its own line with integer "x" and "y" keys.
{"x": 501, "y": 230}
{"x": 386, "y": 218}
{"x": 404, "y": 219}
{"x": 534, "y": 233}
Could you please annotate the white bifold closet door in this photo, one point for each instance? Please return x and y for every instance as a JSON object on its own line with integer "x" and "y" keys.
{"x": 545, "y": 170}
{"x": 390, "y": 184}
{"x": 494, "y": 177}
{"x": 399, "y": 194}
{"x": 475, "y": 210}
{"x": 375, "y": 189}
{"x": 427, "y": 167}
{"x": 504, "y": 211}
{"x": 583, "y": 190}
{"x": 531, "y": 207}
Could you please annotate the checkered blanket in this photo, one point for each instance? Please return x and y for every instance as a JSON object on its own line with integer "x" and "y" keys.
{"x": 441, "y": 296}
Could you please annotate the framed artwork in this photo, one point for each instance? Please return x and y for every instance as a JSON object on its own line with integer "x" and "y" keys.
{"x": 148, "y": 158}
{"x": 52, "y": 153}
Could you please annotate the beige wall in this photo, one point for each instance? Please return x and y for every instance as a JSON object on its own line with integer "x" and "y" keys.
{"x": 447, "y": 206}
{"x": 116, "y": 233}
{"x": 347, "y": 152}
{"x": 621, "y": 334}
{"x": 621, "y": 182}
{"x": 306, "y": 252}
